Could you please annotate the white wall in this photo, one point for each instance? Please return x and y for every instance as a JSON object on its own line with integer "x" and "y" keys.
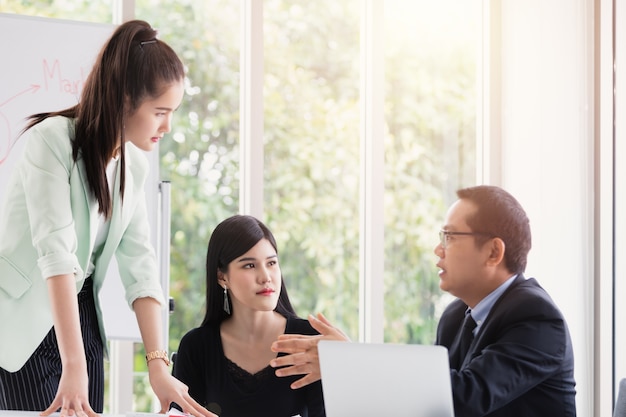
{"x": 620, "y": 190}
{"x": 546, "y": 120}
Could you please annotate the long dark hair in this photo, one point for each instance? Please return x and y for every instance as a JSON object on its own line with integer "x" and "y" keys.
{"x": 232, "y": 238}
{"x": 132, "y": 66}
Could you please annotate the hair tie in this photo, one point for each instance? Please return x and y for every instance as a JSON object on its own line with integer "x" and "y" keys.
{"x": 141, "y": 44}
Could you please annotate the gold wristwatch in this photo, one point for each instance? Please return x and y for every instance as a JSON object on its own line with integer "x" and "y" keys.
{"x": 158, "y": 354}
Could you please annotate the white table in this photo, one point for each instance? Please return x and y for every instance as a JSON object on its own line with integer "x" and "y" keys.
{"x": 11, "y": 413}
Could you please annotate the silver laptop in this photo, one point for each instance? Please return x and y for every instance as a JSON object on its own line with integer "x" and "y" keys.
{"x": 369, "y": 379}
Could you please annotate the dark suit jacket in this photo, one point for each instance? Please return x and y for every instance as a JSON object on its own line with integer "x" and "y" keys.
{"x": 520, "y": 362}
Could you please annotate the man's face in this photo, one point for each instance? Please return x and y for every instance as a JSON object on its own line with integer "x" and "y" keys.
{"x": 461, "y": 262}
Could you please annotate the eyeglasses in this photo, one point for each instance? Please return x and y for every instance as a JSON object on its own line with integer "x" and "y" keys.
{"x": 444, "y": 236}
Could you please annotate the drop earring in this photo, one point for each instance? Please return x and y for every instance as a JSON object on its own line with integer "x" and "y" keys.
{"x": 226, "y": 303}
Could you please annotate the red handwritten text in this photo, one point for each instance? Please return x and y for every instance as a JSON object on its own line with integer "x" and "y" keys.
{"x": 65, "y": 85}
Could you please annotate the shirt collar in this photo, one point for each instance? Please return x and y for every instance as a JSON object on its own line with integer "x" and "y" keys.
{"x": 482, "y": 309}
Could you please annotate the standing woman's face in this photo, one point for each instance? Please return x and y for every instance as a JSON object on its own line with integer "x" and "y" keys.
{"x": 153, "y": 118}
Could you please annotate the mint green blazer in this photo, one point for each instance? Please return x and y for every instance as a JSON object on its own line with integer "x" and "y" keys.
{"x": 48, "y": 226}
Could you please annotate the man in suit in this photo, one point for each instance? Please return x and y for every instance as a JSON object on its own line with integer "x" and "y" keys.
{"x": 509, "y": 346}
{"x": 517, "y": 359}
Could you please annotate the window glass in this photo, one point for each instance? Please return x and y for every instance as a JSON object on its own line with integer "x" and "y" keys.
{"x": 311, "y": 151}
{"x": 430, "y": 90}
{"x": 200, "y": 156}
{"x": 97, "y": 11}
{"x": 311, "y": 128}
{"x": 311, "y": 114}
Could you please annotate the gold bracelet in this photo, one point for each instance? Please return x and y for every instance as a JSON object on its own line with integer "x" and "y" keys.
{"x": 158, "y": 354}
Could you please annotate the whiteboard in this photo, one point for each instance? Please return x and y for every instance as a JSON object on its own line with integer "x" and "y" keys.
{"x": 43, "y": 66}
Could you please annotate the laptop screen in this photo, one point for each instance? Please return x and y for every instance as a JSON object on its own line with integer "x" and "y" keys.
{"x": 369, "y": 379}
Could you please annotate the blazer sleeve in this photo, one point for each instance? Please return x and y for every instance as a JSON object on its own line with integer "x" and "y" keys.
{"x": 135, "y": 254}
{"x": 45, "y": 173}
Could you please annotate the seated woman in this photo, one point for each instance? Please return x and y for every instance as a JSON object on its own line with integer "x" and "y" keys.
{"x": 225, "y": 361}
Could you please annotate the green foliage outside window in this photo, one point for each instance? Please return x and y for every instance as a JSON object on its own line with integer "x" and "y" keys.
{"x": 311, "y": 104}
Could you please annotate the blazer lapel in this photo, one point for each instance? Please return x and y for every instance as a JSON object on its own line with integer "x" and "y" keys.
{"x": 484, "y": 327}
{"x": 88, "y": 202}
{"x": 121, "y": 210}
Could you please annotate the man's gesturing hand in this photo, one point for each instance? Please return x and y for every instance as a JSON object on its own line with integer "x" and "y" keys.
{"x": 302, "y": 357}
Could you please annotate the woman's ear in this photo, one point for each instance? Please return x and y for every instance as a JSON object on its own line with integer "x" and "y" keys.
{"x": 496, "y": 251}
{"x": 221, "y": 279}
{"x": 128, "y": 106}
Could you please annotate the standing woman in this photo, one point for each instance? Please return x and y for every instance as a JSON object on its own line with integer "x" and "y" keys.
{"x": 225, "y": 361}
{"x": 75, "y": 199}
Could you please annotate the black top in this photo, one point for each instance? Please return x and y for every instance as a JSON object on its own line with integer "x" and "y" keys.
{"x": 230, "y": 391}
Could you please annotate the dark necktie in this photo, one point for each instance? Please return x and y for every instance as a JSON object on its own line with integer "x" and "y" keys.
{"x": 467, "y": 335}
{"x": 464, "y": 341}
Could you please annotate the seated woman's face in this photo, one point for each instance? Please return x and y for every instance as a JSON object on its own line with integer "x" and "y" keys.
{"x": 254, "y": 279}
